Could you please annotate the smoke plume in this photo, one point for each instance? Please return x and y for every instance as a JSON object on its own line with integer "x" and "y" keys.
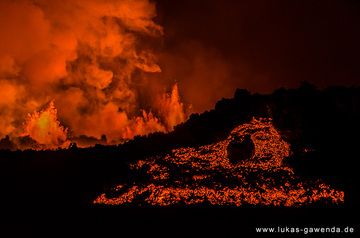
{"x": 89, "y": 59}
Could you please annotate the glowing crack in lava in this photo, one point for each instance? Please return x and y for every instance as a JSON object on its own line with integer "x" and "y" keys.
{"x": 246, "y": 168}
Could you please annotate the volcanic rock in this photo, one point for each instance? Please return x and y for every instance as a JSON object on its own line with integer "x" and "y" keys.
{"x": 241, "y": 150}
{"x": 7, "y": 144}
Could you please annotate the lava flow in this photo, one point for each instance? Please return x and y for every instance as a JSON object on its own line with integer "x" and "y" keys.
{"x": 247, "y": 168}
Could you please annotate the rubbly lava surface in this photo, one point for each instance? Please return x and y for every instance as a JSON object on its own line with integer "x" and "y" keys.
{"x": 213, "y": 175}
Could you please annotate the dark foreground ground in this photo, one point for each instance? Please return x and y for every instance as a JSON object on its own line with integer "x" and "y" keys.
{"x": 168, "y": 222}
{"x": 50, "y": 193}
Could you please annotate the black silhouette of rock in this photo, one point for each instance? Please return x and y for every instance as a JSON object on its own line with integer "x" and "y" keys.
{"x": 87, "y": 141}
{"x": 7, "y": 144}
{"x": 239, "y": 150}
{"x": 26, "y": 142}
{"x": 103, "y": 138}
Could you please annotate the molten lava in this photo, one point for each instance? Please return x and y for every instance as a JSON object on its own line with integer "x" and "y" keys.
{"x": 141, "y": 125}
{"x": 172, "y": 109}
{"x": 44, "y": 127}
{"x": 101, "y": 70}
{"x": 206, "y": 175}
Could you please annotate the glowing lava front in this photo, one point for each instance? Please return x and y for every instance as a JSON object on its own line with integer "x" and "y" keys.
{"x": 246, "y": 168}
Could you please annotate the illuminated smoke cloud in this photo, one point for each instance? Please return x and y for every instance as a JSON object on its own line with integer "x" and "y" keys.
{"x": 45, "y": 128}
{"x": 91, "y": 57}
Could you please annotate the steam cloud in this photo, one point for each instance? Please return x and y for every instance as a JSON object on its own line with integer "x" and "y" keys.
{"x": 94, "y": 58}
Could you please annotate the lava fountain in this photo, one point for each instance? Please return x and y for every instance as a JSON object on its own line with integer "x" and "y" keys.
{"x": 101, "y": 71}
{"x": 44, "y": 127}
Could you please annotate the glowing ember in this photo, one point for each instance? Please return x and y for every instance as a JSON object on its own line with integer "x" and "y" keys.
{"x": 254, "y": 175}
{"x": 44, "y": 128}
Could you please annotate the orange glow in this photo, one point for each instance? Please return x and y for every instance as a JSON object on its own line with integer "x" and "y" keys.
{"x": 44, "y": 128}
{"x": 93, "y": 67}
{"x": 205, "y": 175}
{"x": 171, "y": 108}
{"x": 147, "y": 123}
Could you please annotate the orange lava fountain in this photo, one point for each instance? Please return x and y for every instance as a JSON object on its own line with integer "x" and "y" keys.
{"x": 102, "y": 70}
{"x": 44, "y": 127}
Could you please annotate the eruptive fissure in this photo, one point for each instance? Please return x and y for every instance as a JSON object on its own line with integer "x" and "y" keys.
{"x": 93, "y": 60}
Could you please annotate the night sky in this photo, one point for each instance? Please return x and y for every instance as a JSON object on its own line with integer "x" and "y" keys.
{"x": 259, "y": 45}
